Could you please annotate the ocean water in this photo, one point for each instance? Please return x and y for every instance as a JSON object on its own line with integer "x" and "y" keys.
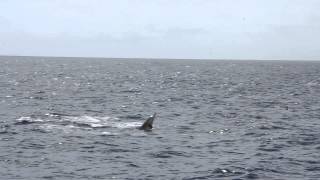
{"x": 77, "y": 118}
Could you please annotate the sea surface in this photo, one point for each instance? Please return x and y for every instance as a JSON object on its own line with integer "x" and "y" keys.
{"x": 77, "y": 118}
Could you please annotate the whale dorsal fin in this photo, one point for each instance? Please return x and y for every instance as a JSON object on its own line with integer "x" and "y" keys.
{"x": 148, "y": 124}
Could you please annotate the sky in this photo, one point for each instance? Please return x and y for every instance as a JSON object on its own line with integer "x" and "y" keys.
{"x": 195, "y": 29}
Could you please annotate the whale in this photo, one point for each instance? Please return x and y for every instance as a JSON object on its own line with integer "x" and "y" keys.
{"x": 148, "y": 124}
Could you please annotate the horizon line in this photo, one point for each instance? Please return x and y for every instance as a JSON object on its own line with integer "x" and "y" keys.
{"x": 152, "y": 58}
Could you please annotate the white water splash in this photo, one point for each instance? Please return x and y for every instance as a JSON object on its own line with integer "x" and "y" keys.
{"x": 84, "y": 122}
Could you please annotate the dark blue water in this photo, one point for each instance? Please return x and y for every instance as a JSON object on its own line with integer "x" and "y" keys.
{"x": 77, "y": 118}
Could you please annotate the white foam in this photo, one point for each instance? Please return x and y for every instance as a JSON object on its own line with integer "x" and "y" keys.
{"x": 52, "y": 115}
{"x": 83, "y": 119}
{"x": 97, "y": 125}
{"x": 70, "y": 122}
{"x": 29, "y": 119}
{"x": 106, "y": 133}
{"x": 105, "y": 121}
{"x": 123, "y": 125}
{"x": 24, "y": 118}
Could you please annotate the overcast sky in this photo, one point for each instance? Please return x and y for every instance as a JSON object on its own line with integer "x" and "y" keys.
{"x": 214, "y": 29}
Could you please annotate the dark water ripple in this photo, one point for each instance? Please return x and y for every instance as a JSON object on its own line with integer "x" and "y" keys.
{"x": 77, "y": 118}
